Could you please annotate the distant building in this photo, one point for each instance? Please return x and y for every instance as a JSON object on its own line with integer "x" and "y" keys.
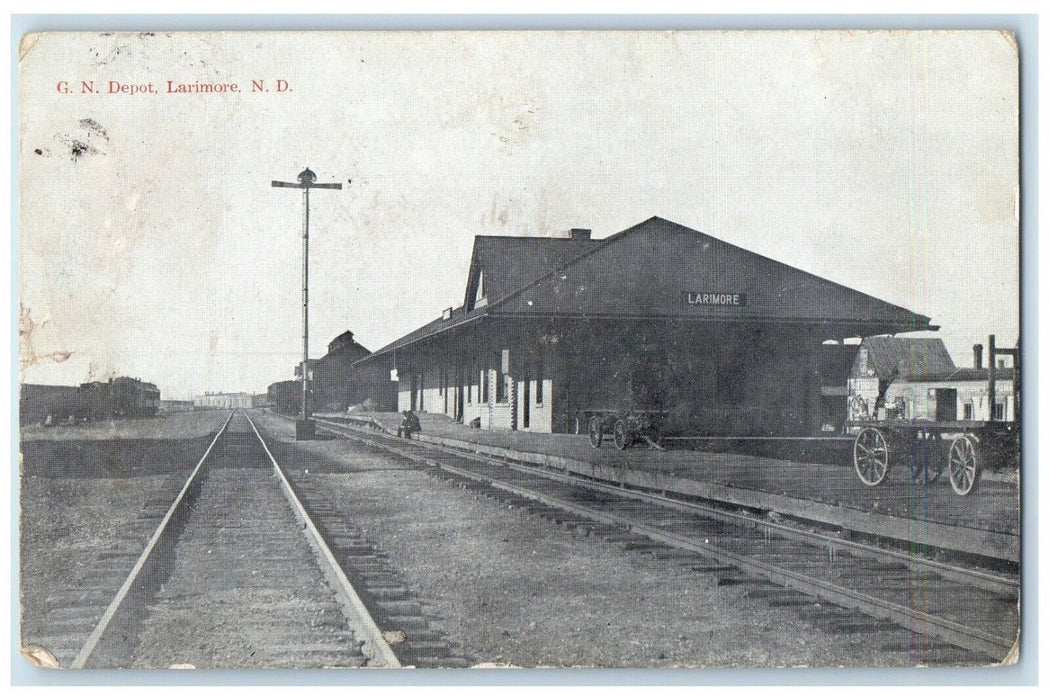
{"x": 220, "y": 399}
{"x": 959, "y": 395}
{"x": 332, "y": 385}
{"x": 916, "y": 379}
{"x": 120, "y": 397}
{"x": 881, "y": 360}
{"x": 176, "y": 405}
{"x": 336, "y": 382}
{"x": 337, "y": 385}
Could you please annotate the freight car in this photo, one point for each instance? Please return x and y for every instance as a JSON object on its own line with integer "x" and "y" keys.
{"x": 285, "y": 396}
{"x": 122, "y": 397}
{"x": 43, "y": 403}
{"x": 133, "y": 398}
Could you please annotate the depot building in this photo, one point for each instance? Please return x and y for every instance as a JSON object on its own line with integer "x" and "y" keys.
{"x": 658, "y": 317}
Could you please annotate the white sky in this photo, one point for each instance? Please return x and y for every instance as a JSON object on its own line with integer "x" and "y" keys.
{"x": 886, "y": 162}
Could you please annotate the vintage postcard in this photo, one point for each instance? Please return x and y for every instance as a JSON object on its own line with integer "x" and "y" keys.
{"x": 624, "y": 349}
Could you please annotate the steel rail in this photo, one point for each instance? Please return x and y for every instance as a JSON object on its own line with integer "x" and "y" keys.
{"x": 983, "y": 580}
{"x": 375, "y": 645}
{"x": 125, "y": 589}
{"x": 950, "y": 631}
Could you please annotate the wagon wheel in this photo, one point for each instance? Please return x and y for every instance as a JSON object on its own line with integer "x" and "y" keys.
{"x": 963, "y": 464}
{"x": 596, "y": 432}
{"x": 621, "y": 435}
{"x": 870, "y": 455}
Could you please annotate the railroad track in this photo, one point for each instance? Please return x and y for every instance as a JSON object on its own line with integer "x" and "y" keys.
{"x": 947, "y": 612}
{"x": 63, "y": 617}
{"x": 245, "y": 570}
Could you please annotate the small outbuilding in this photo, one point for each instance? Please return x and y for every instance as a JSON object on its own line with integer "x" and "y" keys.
{"x": 337, "y": 384}
{"x": 916, "y": 379}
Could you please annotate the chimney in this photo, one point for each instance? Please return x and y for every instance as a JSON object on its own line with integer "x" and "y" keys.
{"x": 978, "y": 356}
{"x": 580, "y": 234}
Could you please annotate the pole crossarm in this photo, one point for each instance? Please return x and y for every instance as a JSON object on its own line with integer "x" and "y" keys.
{"x": 312, "y": 186}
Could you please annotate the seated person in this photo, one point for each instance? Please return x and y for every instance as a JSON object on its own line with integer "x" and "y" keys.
{"x": 409, "y": 424}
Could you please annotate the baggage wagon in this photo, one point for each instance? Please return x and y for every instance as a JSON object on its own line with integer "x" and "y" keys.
{"x": 961, "y": 448}
{"x": 625, "y": 427}
{"x": 930, "y": 447}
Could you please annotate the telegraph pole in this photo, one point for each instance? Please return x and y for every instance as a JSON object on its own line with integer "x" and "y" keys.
{"x": 307, "y": 180}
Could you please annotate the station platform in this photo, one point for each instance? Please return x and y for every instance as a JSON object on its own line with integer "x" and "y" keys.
{"x": 984, "y": 523}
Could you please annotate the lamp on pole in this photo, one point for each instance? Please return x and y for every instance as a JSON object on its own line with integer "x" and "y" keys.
{"x": 307, "y": 180}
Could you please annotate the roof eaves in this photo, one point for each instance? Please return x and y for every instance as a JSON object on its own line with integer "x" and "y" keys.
{"x": 411, "y": 339}
{"x": 890, "y": 325}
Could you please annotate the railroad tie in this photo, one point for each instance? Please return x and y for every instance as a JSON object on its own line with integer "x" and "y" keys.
{"x": 742, "y": 581}
{"x": 711, "y": 568}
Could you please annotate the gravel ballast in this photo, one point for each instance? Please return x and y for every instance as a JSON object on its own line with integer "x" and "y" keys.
{"x": 89, "y": 501}
{"x": 517, "y": 589}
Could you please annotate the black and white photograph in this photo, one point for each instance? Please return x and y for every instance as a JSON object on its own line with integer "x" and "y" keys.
{"x": 519, "y": 349}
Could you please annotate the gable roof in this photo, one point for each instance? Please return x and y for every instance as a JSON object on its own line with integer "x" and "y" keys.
{"x": 657, "y": 269}
{"x": 344, "y": 342}
{"x": 511, "y": 262}
{"x": 908, "y": 358}
{"x": 648, "y": 271}
{"x": 508, "y": 263}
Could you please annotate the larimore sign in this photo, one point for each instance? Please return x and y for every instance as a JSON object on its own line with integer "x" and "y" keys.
{"x": 713, "y": 299}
